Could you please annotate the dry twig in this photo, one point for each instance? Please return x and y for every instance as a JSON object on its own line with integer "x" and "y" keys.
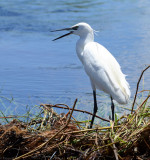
{"x": 78, "y": 110}
{"x": 138, "y": 88}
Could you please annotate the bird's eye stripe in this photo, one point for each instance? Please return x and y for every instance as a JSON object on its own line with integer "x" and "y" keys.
{"x": 75, "y": 28}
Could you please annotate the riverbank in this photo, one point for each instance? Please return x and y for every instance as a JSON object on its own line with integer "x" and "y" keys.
{"x": 60, "y": 136}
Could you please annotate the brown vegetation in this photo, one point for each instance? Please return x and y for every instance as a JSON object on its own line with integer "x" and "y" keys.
{"x": 62, "y": 137}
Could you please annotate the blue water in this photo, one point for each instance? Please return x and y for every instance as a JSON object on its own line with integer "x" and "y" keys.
{"x": 34, "y": 69}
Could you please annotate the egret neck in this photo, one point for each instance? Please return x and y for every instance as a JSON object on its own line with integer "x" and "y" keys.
{"x": 102, "y": 68}
{"x": 84, "y": 39}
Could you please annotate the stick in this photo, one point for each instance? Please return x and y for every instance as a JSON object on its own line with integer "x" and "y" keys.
{"x": 78, "y": 110}
{"x": 138, "y": 87}
{"x": 114, "y": 149}
{"x": 43, "y": 144}
{"x": 94, "y": 129}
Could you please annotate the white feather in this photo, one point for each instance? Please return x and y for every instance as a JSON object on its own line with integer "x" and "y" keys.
{"x": 105, "y": 72}
{"x": 101, "y": 67}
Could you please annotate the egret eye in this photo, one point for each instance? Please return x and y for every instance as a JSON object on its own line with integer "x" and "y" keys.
{"x": 75, "y": 28}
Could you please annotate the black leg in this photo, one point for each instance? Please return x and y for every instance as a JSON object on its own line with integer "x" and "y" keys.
{"x": 95, "y": 108}
{"x": 112, "y": 108}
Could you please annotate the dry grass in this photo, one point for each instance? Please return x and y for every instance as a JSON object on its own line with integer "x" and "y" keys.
{"x": 130, "y": 134}
{"x": 58, "y": 137}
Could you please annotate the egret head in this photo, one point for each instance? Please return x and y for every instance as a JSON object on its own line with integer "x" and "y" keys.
{"x": 80, "y": 29}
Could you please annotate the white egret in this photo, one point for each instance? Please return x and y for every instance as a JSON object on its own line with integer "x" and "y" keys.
{"x": 102, "y": 68}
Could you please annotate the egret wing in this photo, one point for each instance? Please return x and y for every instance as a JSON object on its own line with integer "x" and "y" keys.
{"x": 105, "y": 71}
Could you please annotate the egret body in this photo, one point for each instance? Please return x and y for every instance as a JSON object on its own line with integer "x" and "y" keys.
{"x": 102, "y": 68}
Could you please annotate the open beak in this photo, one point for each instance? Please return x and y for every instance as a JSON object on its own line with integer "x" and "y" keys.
{"x": 65, "y": 29}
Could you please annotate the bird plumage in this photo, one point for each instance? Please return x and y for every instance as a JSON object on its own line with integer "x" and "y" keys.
{"x": 100, "y": 65}
{"x": 105, "y": 72}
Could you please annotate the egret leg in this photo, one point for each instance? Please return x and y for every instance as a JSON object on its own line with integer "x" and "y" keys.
{"x": 95, "y": 108}
{"x": 112, "y": 108}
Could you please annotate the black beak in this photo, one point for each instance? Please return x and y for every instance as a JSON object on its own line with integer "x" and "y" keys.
{"x": 65, "y": 29}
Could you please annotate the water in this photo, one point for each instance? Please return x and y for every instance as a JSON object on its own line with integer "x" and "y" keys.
{"x": 34, "y": 69}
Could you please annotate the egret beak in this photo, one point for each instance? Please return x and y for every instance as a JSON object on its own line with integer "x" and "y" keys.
{"x": 64, "y": 34}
